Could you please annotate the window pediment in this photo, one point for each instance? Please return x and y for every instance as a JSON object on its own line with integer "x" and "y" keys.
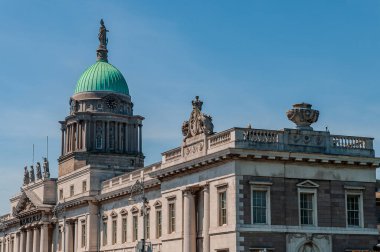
{"x": 157, "y": 204}
{"x": 113, "y": 214}
{"x": 134, "y": 209}
{"x": 123, "y": 212}
{"x": 308, "y": 184}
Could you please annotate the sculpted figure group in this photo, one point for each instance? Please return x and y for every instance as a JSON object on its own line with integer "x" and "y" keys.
{"x": 30, "y": 176}
{"x": 198, "y": 123}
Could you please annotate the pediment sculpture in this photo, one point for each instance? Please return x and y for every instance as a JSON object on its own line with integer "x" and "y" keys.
{"x": 24, "y": 205}
{"x": 199, "y": 123}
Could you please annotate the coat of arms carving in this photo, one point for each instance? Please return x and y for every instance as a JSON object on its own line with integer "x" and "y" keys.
{"x": 198, "y": 123}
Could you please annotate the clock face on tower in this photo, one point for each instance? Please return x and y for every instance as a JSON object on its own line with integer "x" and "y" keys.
{"x": 111, "y": 103}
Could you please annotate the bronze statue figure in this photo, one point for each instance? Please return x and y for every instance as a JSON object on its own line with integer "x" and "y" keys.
{"x": 103, "y": 35}
{"x": 102, "y": 52}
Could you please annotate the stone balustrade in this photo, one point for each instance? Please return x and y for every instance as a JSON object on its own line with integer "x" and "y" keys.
{"x": 289, "y": 140}
{"x": 128, "y": 179}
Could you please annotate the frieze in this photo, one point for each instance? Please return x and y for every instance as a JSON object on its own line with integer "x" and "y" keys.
{"x": 30, "y": 219}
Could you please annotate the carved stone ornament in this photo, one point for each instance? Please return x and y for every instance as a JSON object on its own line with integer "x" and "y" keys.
{"x": 198, "y": 123}
{"x": 303, "y": 115}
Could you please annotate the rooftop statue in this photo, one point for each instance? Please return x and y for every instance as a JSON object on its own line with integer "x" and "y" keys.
{"x": 38, "y": 172}
{"x": 26, "y": 176}
{"x": 31, "y": 174}
{"x": 46, "y": 168}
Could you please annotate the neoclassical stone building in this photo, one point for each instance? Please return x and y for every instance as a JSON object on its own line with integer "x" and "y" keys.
{"x": 242, "y": 189}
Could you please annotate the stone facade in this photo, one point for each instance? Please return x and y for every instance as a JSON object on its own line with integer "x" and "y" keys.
{"x": 242, "y": 189}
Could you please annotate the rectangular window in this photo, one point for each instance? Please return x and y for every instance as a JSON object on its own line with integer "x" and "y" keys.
{"x": 158, "y": 223}
{"x": 84, "y": 186}
{"x": 222, "y": 205}
{"x": 147, "y": 226}
{"x": 61, "y": 194}
{"x": 171, "y": 217}
{"x": 71, "y": 190}
{"x": 105, "y": 233}
{"x": 84, "y": 235}
{"x": 353, "y": 209}
{"x": 135, "y": 227}
{"x": 307, "y": 208}
{"x": 114, "y": 231}
{"x": 259, "y": 207}
{"x": 124, "y": 229}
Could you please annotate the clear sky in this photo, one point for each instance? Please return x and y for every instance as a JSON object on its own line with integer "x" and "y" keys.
{"x": 249, "y": 61}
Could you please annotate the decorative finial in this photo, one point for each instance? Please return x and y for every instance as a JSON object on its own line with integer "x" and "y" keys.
{"x": 303, "y": 115}
{"x": 102, "y": 52}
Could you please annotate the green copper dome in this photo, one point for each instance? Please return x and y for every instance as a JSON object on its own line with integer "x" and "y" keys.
{"x": 102, "y": 76}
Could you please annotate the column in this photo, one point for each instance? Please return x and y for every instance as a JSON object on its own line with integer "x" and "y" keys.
{"x": 44, "y": 238}
{"x": 29, "y": 240}
{"x": 126, "y": 149}
{"x": 189, "y": 232}
{"x": 22, "y": 241}
{"x": 92, "y": 227}
{"x": 108, "y": 136}
{"x": 120, "y": 135}
{"x": 77, "y": 136}
{"x": 69, "y": 237}
{"x": 16, "y": 245}
{"x": 85, "y": 135}
{"x": 206, "y": 218}
{"x": 116, "y": 136}
{"x": 62, "y": 140}
{"x": 76, "y": 235}
{"x": 140, "y": 138}
{"x": 104, "y": 136}
{"x": 36, "y": 239}
{"x": 67, "y": 139}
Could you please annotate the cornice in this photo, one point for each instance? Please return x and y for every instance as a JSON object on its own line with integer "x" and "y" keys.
{"x": 264, "y": 155}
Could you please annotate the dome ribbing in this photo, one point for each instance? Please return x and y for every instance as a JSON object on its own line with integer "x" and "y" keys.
{"x": 102, "y": 76}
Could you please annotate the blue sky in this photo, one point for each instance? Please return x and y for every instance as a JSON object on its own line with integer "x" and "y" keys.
{"x": 249, "y": 61}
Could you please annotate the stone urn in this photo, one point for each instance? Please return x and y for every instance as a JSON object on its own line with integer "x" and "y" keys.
{"x": 303, "y": 115}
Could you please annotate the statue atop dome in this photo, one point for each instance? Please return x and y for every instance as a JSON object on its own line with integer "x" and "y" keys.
{"x": 102, "y": 51}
